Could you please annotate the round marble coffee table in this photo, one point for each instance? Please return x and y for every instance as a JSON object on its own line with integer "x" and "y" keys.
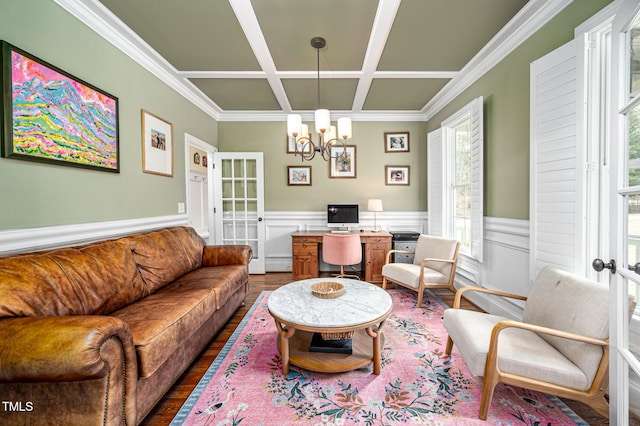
{"x": 362, "y": 309}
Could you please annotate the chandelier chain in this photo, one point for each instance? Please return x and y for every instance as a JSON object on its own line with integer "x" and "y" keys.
{"x": 318, "y": 68}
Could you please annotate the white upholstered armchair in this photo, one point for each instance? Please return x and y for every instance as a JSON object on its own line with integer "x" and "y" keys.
{"x": 434, "y": 266}
{"x": 560, "y": 347}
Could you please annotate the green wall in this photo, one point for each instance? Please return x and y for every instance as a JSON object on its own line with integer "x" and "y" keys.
{"x": 506, "y": 95}
{"x": 368, "y": 137}
{"x": 35, "y": 194}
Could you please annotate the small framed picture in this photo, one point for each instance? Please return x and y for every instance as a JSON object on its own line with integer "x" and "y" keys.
{"x": 299, "y": 175}
{"x": 396, "y": 175}
{"x": 157, "y": 145}
{"x": 342, "y": 163}
{"x": 396, "y": 142}
{"x": 291, "y": 146}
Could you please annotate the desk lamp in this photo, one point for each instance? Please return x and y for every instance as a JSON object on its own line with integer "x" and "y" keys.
{"x": 374, "y": 206}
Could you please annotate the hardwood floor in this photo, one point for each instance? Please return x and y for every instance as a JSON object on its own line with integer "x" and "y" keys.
{"x": 168, "y": 407}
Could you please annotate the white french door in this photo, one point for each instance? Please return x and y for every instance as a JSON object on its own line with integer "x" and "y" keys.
{"x": 624, "y": 386}
{"x": 239, "y": 204}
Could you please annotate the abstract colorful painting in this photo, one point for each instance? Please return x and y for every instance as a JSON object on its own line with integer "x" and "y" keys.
{"x": 55, "y": 117}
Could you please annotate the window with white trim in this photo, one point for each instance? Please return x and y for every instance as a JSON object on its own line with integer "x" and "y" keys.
{"x": 455, "y": 161}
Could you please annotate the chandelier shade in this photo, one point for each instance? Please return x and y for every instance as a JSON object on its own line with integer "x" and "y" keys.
{"x": 328, "y": 135}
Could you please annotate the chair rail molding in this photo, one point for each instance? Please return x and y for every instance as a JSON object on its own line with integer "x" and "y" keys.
{"x": 16, "y": 241}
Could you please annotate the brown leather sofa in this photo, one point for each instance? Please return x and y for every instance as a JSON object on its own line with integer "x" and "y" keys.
{"x": 96, "y": 334}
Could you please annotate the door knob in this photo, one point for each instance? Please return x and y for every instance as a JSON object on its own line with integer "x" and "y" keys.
{"x": 635, "y": 268}
{"x": 599, "y": 265}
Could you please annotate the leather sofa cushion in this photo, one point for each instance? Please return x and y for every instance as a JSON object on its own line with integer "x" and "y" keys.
{"x": 95, "y": 279}
{"x": 165, "y": 255}
{"x": 222, "y": 280}
{"x": 162, "y": 322}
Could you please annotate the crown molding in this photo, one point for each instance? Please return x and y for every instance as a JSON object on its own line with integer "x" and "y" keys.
{"x": 530, "y": 19}
{"x": 309, "y": 115}
{"x": 98, "y": 18}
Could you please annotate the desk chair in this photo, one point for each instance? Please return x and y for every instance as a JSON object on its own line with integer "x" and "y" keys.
{"x": 342, "y": 249}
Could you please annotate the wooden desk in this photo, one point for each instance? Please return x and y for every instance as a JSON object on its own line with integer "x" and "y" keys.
{"x": 304, "y": 247}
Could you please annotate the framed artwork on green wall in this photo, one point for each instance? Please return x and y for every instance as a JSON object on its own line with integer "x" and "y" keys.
{"x": 342, "y": 163}
{"x": 293, "y": 146}
{"x": 48, "y": 115}
{"x": 397, "y": 175}
{"x": 396, "y": 142}
{"x": 157, "y": 145}
{"x": 299, "y": 175}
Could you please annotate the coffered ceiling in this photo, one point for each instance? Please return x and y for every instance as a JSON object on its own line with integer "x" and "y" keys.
{"x": 252, "y": 59}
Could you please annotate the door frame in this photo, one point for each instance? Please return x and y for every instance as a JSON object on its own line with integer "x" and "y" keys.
{"x": 621, "y": 358}
{"x": 189, "y": 141}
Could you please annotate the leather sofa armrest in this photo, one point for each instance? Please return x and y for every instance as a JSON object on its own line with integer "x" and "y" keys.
{"x": 62, "y": 348}
{"x": 227, "y": 255}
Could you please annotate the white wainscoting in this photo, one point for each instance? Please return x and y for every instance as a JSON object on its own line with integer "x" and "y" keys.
{"x": 506, "y": 245}
{"x": 506, "y": 265}
{"x": 506, "y": 248}
{"x": 281, "y": 224}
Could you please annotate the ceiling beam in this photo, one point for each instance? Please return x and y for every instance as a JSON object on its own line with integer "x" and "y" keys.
{"x": 385, "y": 15}
{"x": 249, "y": 24}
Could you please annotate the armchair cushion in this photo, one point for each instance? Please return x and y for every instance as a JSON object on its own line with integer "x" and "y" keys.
{"x": 587, "y": 315}
{"x": 409, "y": 274}
{"x": 471, "y": 331}
{"x": 432, "y": 247}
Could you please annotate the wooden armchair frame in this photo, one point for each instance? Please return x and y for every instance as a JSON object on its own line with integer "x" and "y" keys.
{"x": 594, "y": 396}
{"x": 421, "y": 284}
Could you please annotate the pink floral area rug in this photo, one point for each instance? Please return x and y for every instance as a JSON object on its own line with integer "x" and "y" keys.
{"x": 418, "y": 384}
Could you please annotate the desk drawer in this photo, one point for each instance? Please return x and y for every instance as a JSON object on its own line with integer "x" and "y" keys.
{"x": 377, "y": 240}
{"x": 305, "y": 249}
{"x": 313, "y": 239}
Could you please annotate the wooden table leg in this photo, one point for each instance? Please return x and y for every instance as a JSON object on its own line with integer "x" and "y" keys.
{"x": 284, "y": 334}
{"x": 376, "y": 347}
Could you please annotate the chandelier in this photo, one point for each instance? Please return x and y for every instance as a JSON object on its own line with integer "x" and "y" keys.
{"x": 305, "y": 147}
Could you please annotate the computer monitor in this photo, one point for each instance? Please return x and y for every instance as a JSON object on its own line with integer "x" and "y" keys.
{"x": 342, "y": 217}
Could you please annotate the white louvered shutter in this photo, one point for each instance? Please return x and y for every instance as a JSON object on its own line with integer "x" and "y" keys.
{"x": 556, "y": 211}
{"x": 477, "y": 177}
{"x": 435, "y": 199}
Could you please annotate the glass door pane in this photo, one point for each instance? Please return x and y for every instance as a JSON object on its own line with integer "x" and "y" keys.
{"x": 634, "y": 62}
{"x": 241, "y": 204}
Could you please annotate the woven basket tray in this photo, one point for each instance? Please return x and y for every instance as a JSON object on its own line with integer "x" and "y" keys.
{"x": 327, "y": 289}
{"x": 337, "y": 336}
